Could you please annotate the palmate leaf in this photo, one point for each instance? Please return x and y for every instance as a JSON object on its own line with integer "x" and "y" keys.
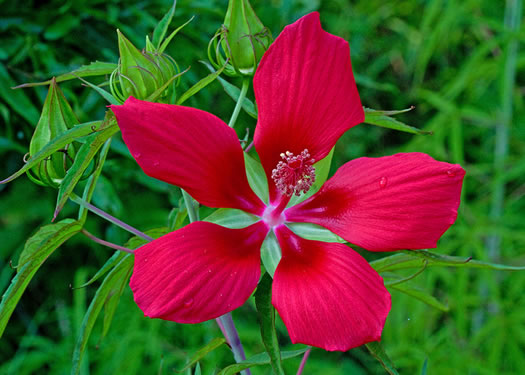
{"x": 266, "y": 317}
{"x": 36, "y": 250}
{"x": 259, "y": 360}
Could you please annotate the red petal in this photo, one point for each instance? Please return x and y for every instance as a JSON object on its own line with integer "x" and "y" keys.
{"x": 305, "y": 92}
{"x": 197, "y": 273}
{"x": 328, "y": 295}
{"x": 404, "y": 201}
{"x": 189, "y": 148}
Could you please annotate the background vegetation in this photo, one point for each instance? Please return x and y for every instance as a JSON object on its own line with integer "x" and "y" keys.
{"x": 461, "y": 63}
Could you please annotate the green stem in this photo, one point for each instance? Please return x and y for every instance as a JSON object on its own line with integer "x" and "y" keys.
{"x": 240, "y": 100}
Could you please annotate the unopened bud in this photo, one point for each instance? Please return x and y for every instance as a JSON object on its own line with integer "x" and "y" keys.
{"x": 243, "y": 39}
{"x": 56, "y": 118}
{"x": 145, "y": 74}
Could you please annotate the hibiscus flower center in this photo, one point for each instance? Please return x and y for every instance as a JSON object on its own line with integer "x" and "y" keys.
{"x": 295, "y": 174}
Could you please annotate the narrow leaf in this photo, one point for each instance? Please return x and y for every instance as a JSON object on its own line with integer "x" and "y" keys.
{"x": 382, "y": 119}
{"x": 266, "y": 318}
{"x": 96, "y": 68}
{"x": 166, "y": 42}
{"x": 234, "y": 93}
{"x": 379, "y": 353}
{"x": 259, "y": 360}
{"x": 36, "y": 250}
{"x": 202, "y": 352}
{"x": 421, "y": 295}
{"x": 106, "y": 95}
{"x": 55, "y": 145}
{"x": 112, "y": 284}
{"x": 416, "y": 259}
{"x": 17, "y": 100}
{"x": 84, "y": 156}
{"x": 110, "y": 263}
{"x": 232, "y": 218}
{"x": 199, "y": 85}
{"x": 162, "y": 27}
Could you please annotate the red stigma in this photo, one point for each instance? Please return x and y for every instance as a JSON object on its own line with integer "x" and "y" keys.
{"x": 295, "y": 174}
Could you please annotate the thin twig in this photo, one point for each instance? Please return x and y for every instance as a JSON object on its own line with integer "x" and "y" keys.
{"x": 109, "y": 218}
{"x": 105, "y": 243}
{"x": 303, "y": 361}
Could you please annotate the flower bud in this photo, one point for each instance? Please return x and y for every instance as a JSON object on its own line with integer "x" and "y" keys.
{"x": 243, "y": 38}
{"x": 146, "y": 75}
{"x": 56, "y": 118}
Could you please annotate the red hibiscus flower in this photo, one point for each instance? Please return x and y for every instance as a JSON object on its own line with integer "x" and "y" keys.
{"x": 326, "y": 293}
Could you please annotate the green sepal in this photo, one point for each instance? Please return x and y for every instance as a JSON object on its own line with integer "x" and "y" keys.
{"x": 256, "y": 177}
{"x": 36, "y": 250}
{"x": 314, "y": 232}
{"x": 162, "y": 27}
{"x": 270, "y": 253}
{"x": 322, "y": 169}
{"x": 232, "y": 218}
{"x": 384, "y": 120}
{"x": 57, "y": 118}
{"x": 266, "y": 318}
{"x": 259, "y": 360}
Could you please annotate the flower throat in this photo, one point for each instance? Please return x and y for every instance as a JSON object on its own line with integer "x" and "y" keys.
{"x": 295, "y": 174}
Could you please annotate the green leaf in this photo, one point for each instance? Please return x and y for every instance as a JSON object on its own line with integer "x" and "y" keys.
{"x": 110, "y": 263}
{"x": 199, "y": 85}
{"x": 270, "y": 253}
{"x": 314, "y": 232}
{"x": 164, "y": 87}
{"x": 82, "y": 160}
{"x": 166, "y": 42}
{"x": 322, "y": 168}
{"x": 421, "y": 295}
{"x": 383, "y": 119}
{"x": 17, "y": 100}
{"x": 416, "y": 259}
{"x": 234, "y": 93}
{"x": 162, "y": 27}
{"x": 55, "y": 145}
{"x": 36, "y": 250}
{"x": 232, "y": 218}
{"x": 266, "y": 318}
{"x": 379, "y": 353}
{"x": 96, "y": 68}
{"x": 89, "y": 189}
{"x": 202, "y": 352}
{"x": 112, "y": 285}
{"x": 259, "y": 360}
{"x": 256, "y": 177}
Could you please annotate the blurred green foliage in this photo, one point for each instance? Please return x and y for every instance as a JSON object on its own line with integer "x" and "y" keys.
{"x": 457, "y": 61}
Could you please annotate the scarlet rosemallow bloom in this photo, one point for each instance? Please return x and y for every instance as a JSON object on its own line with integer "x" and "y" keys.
{"x": 326, "y": 293}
